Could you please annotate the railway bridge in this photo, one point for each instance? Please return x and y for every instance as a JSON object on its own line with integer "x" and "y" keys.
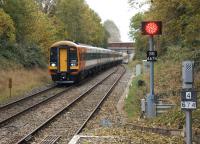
{"x": 125, "y": 47}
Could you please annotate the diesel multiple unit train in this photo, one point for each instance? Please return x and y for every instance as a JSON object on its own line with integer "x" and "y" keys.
{"x": 70, "y": 62}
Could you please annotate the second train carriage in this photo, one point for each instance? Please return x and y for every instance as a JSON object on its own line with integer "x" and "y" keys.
{"x": 125, "y": 58}
{"x": 70, "y": 62}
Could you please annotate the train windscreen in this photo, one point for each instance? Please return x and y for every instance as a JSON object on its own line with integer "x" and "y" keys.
{"x": 73, "y": 59}
{"x": 53, "y": 57}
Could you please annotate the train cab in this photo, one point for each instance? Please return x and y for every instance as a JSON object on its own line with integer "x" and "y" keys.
{"x": 63, "y": 62}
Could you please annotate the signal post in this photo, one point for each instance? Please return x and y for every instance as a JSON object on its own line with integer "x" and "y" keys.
{"x": 151, "y": 28}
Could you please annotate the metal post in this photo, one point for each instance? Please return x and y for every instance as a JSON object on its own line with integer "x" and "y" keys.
{"x": 10, "y": 92}
{"x": 188, "y": 127}
{"x": 10, "y": 85}
{"x": 151, "y": 43}
{"x": 150, "y": 98}
{"x": 187, "y": 76}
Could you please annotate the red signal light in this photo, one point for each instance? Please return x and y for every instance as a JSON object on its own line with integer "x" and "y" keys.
{"x": 152, "y": 28}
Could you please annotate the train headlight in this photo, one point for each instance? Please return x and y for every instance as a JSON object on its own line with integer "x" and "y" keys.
{"x": 53, "y": 64}
{"x": 73, "y": 64}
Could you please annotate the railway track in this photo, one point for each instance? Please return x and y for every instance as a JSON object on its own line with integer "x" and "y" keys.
{"x": 12, "y": 110}
{"x": 4, "y": 106}
{"x": 72, "y": 118}
{"x": 17, "y": 127}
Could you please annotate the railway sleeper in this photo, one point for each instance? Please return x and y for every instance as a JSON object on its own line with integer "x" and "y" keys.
{"x": 50, "y": 139}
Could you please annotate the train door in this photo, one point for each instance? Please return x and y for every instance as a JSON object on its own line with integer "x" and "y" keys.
{"x": 63, "y": 59}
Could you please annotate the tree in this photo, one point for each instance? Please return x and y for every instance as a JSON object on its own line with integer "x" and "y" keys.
{"x": 93, "y": 30}
{"x": 32, "y": 26}
{"x": 135, "y": 33}
{"x": 80, "y": 22}
{"x": 47, "y": 6}
{"x": 113, "y": 31}
{"x": 22, "y": 13}
{"x": 180, "y": 20}
{"x": 7, "y": 29}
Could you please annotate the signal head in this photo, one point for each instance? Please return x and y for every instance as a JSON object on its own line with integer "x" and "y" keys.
{"x": 152, "y": 28}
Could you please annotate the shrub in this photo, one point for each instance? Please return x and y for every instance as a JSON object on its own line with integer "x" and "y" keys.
{"x": 7, "y": 29}
{"x": 28, "y": 55}
{"x": 31, "y": 56}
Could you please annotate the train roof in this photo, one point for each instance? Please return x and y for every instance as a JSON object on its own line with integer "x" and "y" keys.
{"x": 59, "y": 43}
{"x": 70, "y": 43}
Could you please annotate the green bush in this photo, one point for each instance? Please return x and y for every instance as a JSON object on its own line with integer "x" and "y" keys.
{"x": 31, "y": 56}
{"x": 7, "y": 28}
{"x": 28, "y": 55}
{"x": 178, "y": 54}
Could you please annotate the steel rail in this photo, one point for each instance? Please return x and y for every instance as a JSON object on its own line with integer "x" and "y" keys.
{"x": 28, "y": 137}
{"x": 3, "y": 122}
{"x": 26, "y": 97}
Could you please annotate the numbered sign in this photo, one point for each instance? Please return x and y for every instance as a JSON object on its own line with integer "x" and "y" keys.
{"x": 151, "y": 55}
{"x": 188, "y": 95}
{"x": 188, "y": 99}
{"x": 188, "y": 105}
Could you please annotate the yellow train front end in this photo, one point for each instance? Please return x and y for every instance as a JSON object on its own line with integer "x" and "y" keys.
{"x": 64, "y": 62}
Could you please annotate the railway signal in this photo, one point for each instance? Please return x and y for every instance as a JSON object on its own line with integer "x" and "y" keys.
{"x": 152, "y": 28}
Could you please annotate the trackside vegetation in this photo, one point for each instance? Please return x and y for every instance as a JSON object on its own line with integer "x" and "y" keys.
{"x": 23, "y": 80}
{"x": 167, "y": 89}
{"x": 180, "y": 41}
{"x": 136, "y": 93}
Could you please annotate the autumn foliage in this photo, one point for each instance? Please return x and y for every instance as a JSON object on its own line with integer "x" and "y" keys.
{"x": 32, "y": 26}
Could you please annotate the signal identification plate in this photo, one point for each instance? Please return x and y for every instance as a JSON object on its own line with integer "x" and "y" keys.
{"x": 188, "y": 105}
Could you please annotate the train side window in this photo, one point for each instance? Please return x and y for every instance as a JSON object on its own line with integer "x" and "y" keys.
{"x": 53, "y": 55}
{"x": 86, "y": 56}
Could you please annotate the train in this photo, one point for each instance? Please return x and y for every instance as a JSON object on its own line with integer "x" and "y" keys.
{"x": 70, "y": 62}
{"x": 125, "y": 58}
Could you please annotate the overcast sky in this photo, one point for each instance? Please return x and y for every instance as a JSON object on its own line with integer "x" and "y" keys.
{"x": 118, "y": 11}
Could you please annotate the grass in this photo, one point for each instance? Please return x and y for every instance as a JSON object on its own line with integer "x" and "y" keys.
{"x": 132, "y": 103}
{"x": 132, "y": 64}
{"x": 23, "y": 80}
